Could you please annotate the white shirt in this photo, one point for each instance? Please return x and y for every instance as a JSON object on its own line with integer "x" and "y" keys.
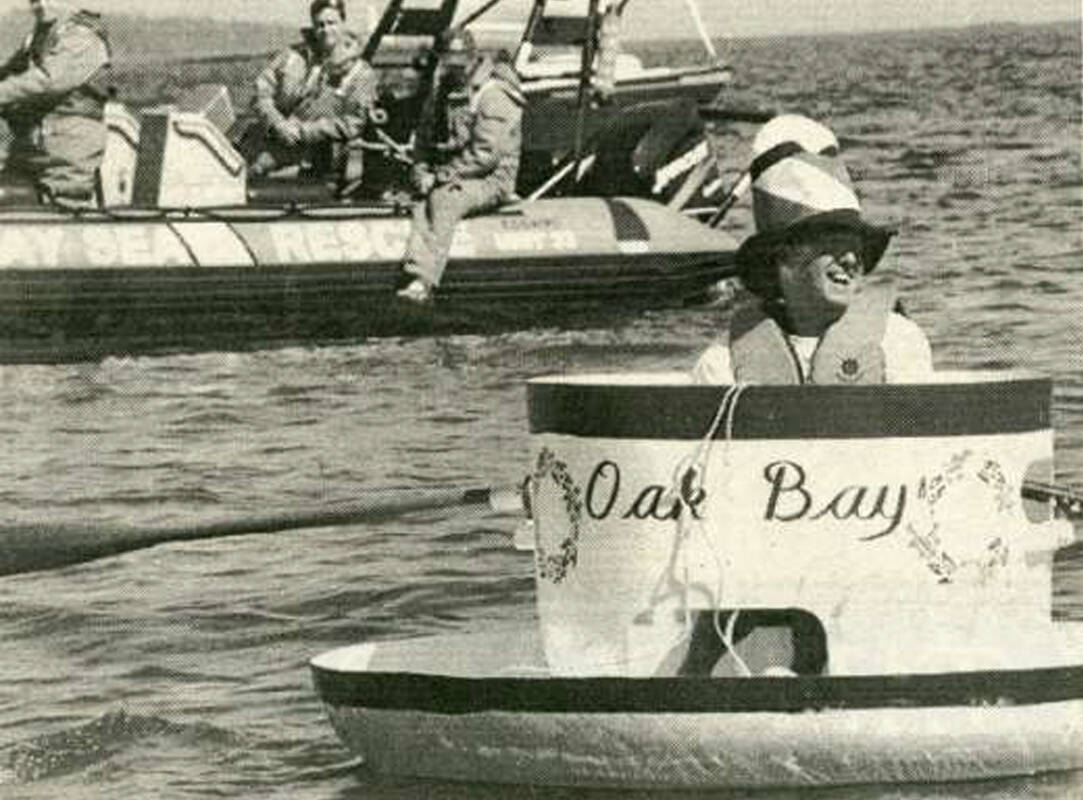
{"x": 908, "y": 358}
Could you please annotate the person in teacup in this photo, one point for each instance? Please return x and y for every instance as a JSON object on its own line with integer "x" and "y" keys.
{"x": 814, "y": 317}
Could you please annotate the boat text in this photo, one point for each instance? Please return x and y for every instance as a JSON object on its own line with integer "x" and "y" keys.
{"x": 790, "y": 500}
{"x": 535, "y": 241}
{"x": 351, "y": 240}
{"x": 652, "y": 502}
{"x": 93, "y": 245}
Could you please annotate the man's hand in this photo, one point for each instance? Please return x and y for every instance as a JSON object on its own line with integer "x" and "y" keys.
{"x": 289, "y": 131}
{"x": 422, "y": 179}
{"x": 445, "y": 175}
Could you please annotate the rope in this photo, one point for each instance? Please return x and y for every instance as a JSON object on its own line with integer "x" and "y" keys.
{"x": 689, "y": 475}
{"x": 701, "y": 29}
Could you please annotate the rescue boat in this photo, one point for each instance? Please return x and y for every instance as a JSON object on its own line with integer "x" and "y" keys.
{"x": 182, "y": 251}
{"x": 754, "y": 587}
{"x": 180, "y": 258}
{"x": 88, "y": 284}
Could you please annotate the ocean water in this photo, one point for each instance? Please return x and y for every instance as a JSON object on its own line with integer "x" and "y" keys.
{"x": 181, "y": 671}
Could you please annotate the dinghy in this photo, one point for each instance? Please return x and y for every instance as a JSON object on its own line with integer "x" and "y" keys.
{"x": 182, "y": 259}
{"x": 753, "y": 587}
{"x": 182, "y": 251}
{"x": 86, "y": 284}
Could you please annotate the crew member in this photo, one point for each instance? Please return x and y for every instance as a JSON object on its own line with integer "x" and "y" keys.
{"x": 313, "y": 100}
{"x": 52, "y": 101}
{"x": 815, "y": 318}
{"x": 469, "y": 168}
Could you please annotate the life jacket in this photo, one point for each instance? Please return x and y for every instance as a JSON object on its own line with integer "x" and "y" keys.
{"x": 850, "y": 351}
{"x": 99, "y": 85}
{"x": 89, "y": 97}
{"x": 329, "y": 83}
{"x": 490, "y": 109}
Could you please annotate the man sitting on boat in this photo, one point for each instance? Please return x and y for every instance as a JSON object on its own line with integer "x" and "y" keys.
{"x": 52, "y": 100}
{"x": 313, "y": 100}
{"x": 465, "y": 166}
{"x": 815, "y": 319}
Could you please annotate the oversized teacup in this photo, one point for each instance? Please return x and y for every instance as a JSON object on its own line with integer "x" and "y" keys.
{"x": 890, "y": 516}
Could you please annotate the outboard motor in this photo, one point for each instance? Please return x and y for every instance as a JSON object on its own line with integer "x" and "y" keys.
{"x": 659, "y": 150}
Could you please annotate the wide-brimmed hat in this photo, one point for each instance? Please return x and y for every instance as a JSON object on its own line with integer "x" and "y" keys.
{"x": 800, "y": 186}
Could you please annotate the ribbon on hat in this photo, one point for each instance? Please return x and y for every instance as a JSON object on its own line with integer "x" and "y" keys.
{"x": 800, "y": 185}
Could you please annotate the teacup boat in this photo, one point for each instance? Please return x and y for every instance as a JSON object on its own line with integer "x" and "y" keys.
{"x": 755, "y": 587}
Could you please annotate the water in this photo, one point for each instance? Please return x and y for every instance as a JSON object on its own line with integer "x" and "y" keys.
{"x": 180, "y": 671}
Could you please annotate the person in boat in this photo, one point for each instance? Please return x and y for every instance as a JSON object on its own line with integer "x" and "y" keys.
{"x": 815, "y": 317}
{"x": 53, "y": 91}
{"x": 468, "y": 164}
{"x": 313, "y": 101}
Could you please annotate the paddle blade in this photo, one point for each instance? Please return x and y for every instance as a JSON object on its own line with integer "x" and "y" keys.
{"x": 39, "y": 546}
{"x": 1066, "y": 500}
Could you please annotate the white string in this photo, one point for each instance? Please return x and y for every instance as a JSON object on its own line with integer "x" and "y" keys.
{"x": 690, "y": 472}
{"x": 693, "y": 9}
{"x": 694, "y": 469}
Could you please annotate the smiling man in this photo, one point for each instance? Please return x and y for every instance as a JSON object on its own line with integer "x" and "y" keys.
{"x": 313, "y": 101}
{"x": 52, "y": 99}
{"x": 814, "y": 319}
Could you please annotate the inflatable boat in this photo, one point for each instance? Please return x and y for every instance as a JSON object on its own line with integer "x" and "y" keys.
{"x": 185, "y": 254}
{"x": 90, "y": 283}
{"x": 754, "y": 587}
{"x": 181, "y": 251}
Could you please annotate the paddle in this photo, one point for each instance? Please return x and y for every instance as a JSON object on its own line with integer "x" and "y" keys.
{"x": 735, "y": 193}
{"x": 40, "y": 546}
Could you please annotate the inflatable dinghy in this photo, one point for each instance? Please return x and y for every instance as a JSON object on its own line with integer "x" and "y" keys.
{"x": 93, "y": 283}
{"x": 179, "y": 257}
{"x": 755, "y": 587}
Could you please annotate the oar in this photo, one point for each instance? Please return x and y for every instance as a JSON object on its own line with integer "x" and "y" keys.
{"x": 1067, "y": 500}
{"x": 39, "y": 546}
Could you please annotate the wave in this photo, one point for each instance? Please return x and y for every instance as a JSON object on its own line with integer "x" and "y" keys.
{"x": 61, "y": 753}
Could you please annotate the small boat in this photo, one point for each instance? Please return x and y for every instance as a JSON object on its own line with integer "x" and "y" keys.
{"x": 183, "y": 252}
{"x": 761, "y": 587}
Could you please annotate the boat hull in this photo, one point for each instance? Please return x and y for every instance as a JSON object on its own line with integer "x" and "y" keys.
{"x": 131, "y": 282}
{"x": 481, "y": 708}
